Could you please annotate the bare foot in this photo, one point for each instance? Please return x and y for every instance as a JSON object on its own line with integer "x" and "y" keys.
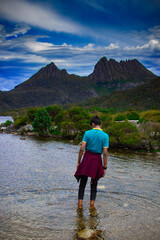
{"x": 80, "y": 203}
{"x": 92, "y": 204}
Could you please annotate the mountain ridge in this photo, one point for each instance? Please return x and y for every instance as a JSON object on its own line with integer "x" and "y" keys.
{"x": 50, "y": 85}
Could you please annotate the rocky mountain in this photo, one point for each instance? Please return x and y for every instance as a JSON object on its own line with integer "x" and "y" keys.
{"x": 51, "y": 85}
{"x": 120, "y": 75}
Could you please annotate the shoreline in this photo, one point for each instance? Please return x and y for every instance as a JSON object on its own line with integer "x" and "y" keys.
{"x": 112, "y": 148}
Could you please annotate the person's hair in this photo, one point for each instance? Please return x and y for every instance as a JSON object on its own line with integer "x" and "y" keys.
{"x": 96, "y": 120}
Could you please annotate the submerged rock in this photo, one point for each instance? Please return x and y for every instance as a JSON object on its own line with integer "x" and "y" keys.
{"x": 101, "y": 187}
{"x": 23, "y": 138}
{"x": 86, "y": 233}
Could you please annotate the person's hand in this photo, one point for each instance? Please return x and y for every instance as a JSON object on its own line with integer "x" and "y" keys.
{"x": 77, "y": 165}
{"x": 104, "y": 173}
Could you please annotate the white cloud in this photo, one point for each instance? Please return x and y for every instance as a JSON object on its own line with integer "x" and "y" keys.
{"x": 152, "y": 45}
{"x": 20, "y": 29}
{"x": 39, "y": 46}
{"x": 28, "y": 58}
{"x": 112, "y": 46}
{"x": 38, "y": 15}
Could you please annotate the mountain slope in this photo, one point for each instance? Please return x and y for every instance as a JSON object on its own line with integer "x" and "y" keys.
{"x": 51, "y": 85}
{"x": 142, "y": 97}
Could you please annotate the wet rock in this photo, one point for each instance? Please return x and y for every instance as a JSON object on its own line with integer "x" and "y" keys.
{"x": 26, "y": 128}
{"x": 101, "y": 187}
{"x": 23, "y": 138}
{"x": 31, "y": 133}
{"x": 125, "y": 205}
{"x": 86, "y": 233}
{"x": 120, "y": 171}
{"x": 15, "y": 133}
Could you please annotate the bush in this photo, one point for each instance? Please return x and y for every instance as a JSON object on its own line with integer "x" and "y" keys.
{"x": 42, "y": 122}
{"x": 68, "y": 129}
{"x": 78, "y": 111}
{"x": 124, "y": 134}
{"x": 53, "y": 111}
{"x": 120, "y": 117}
{"x": 106, "y": 120}
{"x": 151, "y": 115}
{"x": 55, "y": 131}
{"x": 31, "y": 113}
{"x": 20, "y": 121}
{"x": 82, "y": 126}
{"x": 8, "y": 123}
{"x": 132, "y": 115}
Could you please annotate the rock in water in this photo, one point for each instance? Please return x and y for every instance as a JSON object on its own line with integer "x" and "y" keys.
{"x": 86, "y": 233}
{"x": 101, "y": 187}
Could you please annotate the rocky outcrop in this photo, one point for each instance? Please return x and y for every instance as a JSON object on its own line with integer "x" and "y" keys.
{"x": 120, "y": 75}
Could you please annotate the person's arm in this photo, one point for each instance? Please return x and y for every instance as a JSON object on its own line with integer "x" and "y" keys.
{"x": 82, "y": 148}
{"x": 105, "y": 157}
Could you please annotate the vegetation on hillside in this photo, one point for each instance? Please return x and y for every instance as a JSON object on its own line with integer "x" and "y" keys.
{"x": 130, "y": 129}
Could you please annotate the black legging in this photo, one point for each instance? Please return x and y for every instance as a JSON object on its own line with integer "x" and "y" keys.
{"x": 82, "y": 186}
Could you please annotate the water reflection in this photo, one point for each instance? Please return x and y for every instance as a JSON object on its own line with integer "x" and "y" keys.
{"x": 90, "y": 222}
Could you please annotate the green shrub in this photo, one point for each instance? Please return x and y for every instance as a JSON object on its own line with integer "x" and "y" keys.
{"x": 31, "y": 113}
{"x": 20, "y": 121}
{"x": 42, "y": 122}
{"x": 55, "y": 131}
{"x": 151, "y": 115}
{"x": 132, "y": 115}
{"x": 78, "y": 111}
{"x": 68, "y": 129}
{"x": 120, "y": 117}
{"x": 106, "y": 120}
{"x": 8, "y": 123}
{"x": 53, "y": 111}
{"x": 82, "y": 126}
{"x": 61, "y": 117}
{"x": 124, "y": 134}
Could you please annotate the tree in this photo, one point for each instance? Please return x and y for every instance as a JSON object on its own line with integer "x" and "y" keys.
{"x": 41, "y": 122}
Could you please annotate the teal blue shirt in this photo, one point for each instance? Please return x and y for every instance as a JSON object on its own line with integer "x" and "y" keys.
{"x": 96, "y": 140}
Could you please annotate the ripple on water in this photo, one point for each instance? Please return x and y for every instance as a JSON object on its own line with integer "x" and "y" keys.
{"x": 39, "y": 194}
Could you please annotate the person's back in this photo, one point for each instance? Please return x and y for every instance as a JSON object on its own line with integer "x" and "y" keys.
{"x": 96, "y": 140}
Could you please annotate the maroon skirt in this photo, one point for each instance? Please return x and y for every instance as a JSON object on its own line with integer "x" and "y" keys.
{"x": 91, "y": 166}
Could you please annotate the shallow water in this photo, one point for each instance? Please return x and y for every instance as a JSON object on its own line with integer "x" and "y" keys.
{"x": 38, "y": 194}
{"x": 3, "y": 119}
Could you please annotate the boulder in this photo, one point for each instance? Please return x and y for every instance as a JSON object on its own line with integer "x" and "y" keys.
{"x": 86, "y": 233}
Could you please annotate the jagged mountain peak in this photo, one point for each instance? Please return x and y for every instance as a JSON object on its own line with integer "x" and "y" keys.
{"x": 112, "y": 70}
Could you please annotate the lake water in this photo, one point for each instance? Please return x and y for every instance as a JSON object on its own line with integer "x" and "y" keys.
{"x": 3, "y": 119}
{"x": 38, "y": 193}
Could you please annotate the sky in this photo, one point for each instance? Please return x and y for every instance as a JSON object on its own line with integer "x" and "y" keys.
{"x": 75, "y": 34}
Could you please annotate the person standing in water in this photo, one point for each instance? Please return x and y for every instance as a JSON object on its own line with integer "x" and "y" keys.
{"x": 95, "y": 142}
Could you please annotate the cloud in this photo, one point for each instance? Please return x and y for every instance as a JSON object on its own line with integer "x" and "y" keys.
{"x": 152, "y": 45}
{"x": 112, "y": 46}
{"x": 20, "y": 29}
{"x": 37, "y": 15}
{"x": 95, "y": 4}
